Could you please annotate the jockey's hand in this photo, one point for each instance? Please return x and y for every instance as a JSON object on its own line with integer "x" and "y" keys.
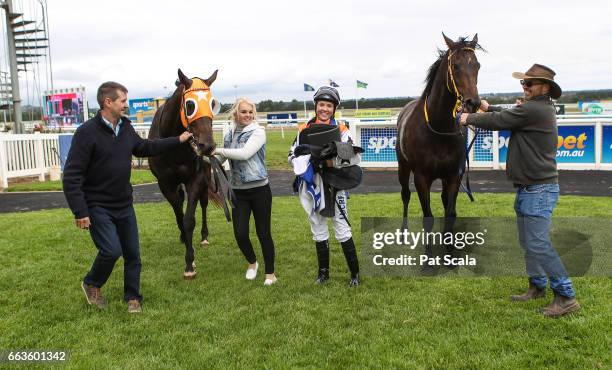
{"x": 185, "y": 136}
{"x": 83, "y": 223}
{"x": 484, "y": 106}
{"x": 463, "y": 119}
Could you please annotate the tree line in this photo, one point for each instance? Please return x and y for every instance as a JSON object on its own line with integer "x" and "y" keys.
{"x": 398, "y": 102}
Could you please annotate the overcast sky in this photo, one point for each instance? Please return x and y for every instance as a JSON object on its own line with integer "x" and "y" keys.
{"x": 270, "y": 48}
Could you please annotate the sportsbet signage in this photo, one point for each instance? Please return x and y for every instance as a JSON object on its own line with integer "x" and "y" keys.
{"x": 141, "y": 105}
{"x": 379, "y": 144}
{"x": 575, "y": 144}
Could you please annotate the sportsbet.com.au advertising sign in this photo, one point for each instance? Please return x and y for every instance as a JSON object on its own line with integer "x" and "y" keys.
{"x": 575, "y": 144}
{"x": 379, "y": 144}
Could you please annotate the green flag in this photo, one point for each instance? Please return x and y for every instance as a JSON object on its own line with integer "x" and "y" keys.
{"x": 362, "y": 85}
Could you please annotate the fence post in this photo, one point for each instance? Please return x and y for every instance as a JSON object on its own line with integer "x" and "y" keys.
{"x": 39, "y": 157}
{"x": 495, "y": 148}
{"x": 598, "y": 144}
{"x": 3, "y": 164}
{"x": 470, "y": 136}
{"x": 355, "y": 133}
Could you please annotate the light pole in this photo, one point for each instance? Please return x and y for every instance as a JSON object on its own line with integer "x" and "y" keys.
{"x": 235, "y": 92}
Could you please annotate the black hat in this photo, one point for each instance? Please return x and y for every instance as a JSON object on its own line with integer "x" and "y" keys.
{"x": 327, "y": 93}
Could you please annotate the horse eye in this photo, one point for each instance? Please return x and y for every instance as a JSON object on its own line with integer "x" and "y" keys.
{"x": 190, "y": 107}
{"x": 456, "y": 66}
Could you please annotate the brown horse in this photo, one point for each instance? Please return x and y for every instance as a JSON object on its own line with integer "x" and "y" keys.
{"x": 430, "y": 143}
{"x": 183, "y": 169}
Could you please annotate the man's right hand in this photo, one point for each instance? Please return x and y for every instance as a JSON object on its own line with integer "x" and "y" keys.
{"x": 185, "y": 136}
{"x": 83, "y": 223}
{"x": 484, "y": 105}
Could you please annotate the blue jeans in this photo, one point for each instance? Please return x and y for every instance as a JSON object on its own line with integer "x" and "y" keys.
{"x": 534, "y": 205}
{"x": 115, "y": 234}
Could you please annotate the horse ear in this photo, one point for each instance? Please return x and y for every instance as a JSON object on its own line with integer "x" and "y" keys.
{"x": 184, "y": 79}
{"x": 212, "y": 78}
{"x": 474, "y": 41}
{"x": 450, "y": 43}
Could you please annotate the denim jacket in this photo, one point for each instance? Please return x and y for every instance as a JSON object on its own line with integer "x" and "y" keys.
{"x": 248, "y": 169}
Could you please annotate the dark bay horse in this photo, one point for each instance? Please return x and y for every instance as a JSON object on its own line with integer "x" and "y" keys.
{"x": 191, "y": 107}
{"x": 431, "y": 144}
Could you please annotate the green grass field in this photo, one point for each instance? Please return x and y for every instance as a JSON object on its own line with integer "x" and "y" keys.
{"x": 220, "y": 320}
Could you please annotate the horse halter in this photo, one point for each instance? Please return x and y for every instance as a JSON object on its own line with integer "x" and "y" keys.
{"x": 458, "y": 103}
{"x": 450, "y": 74}
{"x": 197, "y": 102}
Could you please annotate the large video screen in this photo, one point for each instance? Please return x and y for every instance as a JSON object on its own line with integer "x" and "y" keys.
{"x": 64, "y": 109}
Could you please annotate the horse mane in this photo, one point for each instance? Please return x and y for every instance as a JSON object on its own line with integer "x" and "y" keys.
{"x": 433, "y": 69}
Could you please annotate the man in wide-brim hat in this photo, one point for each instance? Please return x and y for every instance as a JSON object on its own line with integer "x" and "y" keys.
{"x": 539, "y": 76}
{"x": 531, "y": 165}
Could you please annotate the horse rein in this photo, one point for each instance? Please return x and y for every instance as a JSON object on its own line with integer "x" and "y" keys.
{"x": 455, "y": 91}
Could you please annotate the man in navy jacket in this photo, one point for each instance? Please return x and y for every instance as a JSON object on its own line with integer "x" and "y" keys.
{"x": 98, "y": 190}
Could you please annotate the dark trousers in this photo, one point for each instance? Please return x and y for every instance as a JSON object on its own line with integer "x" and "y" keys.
{"x": 259, "y": 201}
{"x": 115, "y": 234}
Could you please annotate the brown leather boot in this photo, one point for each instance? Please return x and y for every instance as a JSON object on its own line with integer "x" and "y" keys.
{"x": 93, "y": 296}
{"x": 533, "y": 292}
{"x": 561, "y": 306}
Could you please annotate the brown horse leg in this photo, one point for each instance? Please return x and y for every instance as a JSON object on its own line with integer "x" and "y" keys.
{"x": 193, "y": 195}
{"x": 404, "y": 179}
{"x": 450, "y": 190}
{"x": 444, "y": 194}
{"x": 175, "y": 197}
{"x": 422, "y": 183}
{"x": 204, "y": 205}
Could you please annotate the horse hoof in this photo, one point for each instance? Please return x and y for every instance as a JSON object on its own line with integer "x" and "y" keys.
{"x": 204, "y": 242}
{"x": 189, "y": 275}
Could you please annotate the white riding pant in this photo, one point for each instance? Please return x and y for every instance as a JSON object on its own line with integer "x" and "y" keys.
{"x": 318, "y": 223}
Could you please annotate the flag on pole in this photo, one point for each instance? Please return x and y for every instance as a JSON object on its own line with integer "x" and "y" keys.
{"x": 307, "y": 87}
{"x": 332, "y": 83}
{"x": 362, "y": 85}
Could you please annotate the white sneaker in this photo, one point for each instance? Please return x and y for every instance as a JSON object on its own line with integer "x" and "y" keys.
{"x": 252, "y": 273}
{"x": 269, "y": 282}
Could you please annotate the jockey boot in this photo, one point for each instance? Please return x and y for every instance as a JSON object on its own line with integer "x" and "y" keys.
{"x": 560, "y": 306}
{"x": 350, "y": 253}
{"x": 323, "y": 258}
{"x": 533, "y": 292}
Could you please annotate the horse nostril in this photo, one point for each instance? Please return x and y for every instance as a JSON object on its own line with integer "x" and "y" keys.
{"x": 472, "y": 105}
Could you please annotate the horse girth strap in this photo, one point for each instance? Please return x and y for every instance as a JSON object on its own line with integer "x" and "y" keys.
{"x": 452, "y": 79}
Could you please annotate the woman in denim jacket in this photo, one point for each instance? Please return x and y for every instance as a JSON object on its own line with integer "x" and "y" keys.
{"x": 245, "y": 146}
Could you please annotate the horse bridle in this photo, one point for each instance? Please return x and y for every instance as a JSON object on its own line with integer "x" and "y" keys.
{"x": 193, "y": 142}
{"x": 458, "y": 103}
